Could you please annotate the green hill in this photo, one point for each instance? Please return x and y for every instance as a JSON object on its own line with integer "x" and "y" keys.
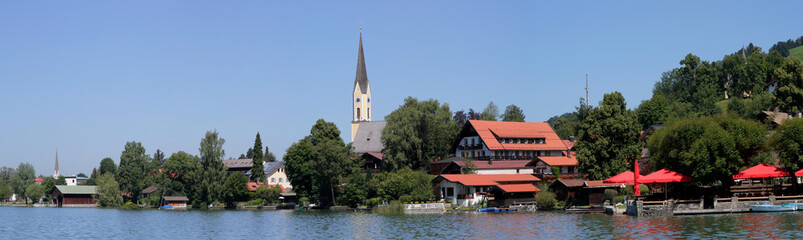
{"x": 796, "y": 52}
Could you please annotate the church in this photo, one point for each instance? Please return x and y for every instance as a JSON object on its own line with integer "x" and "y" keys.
{"x": 366, "y": 135}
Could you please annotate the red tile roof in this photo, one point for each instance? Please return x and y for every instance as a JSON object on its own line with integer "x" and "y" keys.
{"x": 568, "y": 143}
{"x": 599, "y": 183}
{"x": 558, "y": 160}
{"x": 377, "y": 155}
{"x": 488, "y": 179}
{"x": 490, "y": 131}
{"x": 253, "y": 186}
{"x": 513, "y": 188}
{"x": 484, "y": 164}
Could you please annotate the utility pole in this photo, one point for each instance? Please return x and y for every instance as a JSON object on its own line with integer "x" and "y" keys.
{"x": 586, "y": 89}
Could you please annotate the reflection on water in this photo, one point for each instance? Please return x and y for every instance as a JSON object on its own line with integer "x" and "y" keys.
{"x": 41, "y": 223}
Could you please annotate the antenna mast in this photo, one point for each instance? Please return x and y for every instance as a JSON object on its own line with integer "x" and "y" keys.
{"x": 586, "y": 89}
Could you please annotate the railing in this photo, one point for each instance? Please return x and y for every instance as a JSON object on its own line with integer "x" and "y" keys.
{"x": 552, "y": 175}
{"x": 469, "y": 146}
{"x": 504, "y": 158}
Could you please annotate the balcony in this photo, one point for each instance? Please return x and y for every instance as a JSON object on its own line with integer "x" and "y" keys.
{"x": 469, "y": 146}
{"x": 504, "y": 158}
{"x": 550, "y": 175}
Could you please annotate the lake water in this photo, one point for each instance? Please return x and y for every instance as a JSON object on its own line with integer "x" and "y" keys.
{"x": 52, "y": 223}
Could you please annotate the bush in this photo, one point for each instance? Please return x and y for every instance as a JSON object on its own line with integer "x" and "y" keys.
{"x": 644, "y": 189}
{"x": 610, "y": 194}
{"x": 269, "y": 195}
{"x": 618, "y": 199}
{"x": 545, "y": 200}
{"x": 130, "y": 205}
{"x": 256, "y": 202}
{"x": 373, "y": 202}
{"x": 561, "y": 204}
{"x": 394, "y": 207}
{"x": 407, "y": 199}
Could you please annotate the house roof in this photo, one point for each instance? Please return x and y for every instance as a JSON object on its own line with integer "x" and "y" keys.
{"x": 377, "y": 155}
{"x": 253, "y": 186}
{"x": 600, "y": 184}
{"x": 362, "y": 76}
{"x": 569, "y": 143}
{"x": 150, "y": 189}
{"x": 514, "y": 188}
{"x": 479, "y": 164}
{"x": 778, "y": 118}
{"x": 487, "y": 179}
{"x": 491, "y": 131}
{"x": 239, "y": 163}
{"x": 555, "y": 161}
{"x": 572, "y": 182}
{"x": 175, "y": 198}
{"x": 369, "y": 137}
{"x": 80, "y": 189}
{"x": 270, "y": 167}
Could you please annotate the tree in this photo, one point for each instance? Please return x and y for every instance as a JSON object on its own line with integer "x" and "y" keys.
{"x": 472, "y": 115}
{"x": 108, "y": 191}
{"x": 652, "y": 111}
{"x": 460, "y": 118}
{"x": 81, "y": 175}
{"x": 107, "y": 166}
{"x": 788, "y": 142}
{"x": 48, "y": 184}
{"x": 133, "y": 169}
{"x": 470, "y": 167}
{"x": 158, "y": 158}
{"x": 708, "y": 149}
{"x": 22, "y": 177}
{"x": 789, "y": 95}
{"x": 269, "y": 194}
{"x": 513, "y": 114}
{"x": 418, "y": 133}
{"x": 490, "y": 113}
{"x": 212, "y": 173}
{"x": 5, "y": 191}
{"x": 235, "y": 189}
{"x": 177, "y": 173}
{"x": 269, "y": 157}
{"x": 317, "y": 162}
{"x": 609, "y": 142}
{"x": 258, "y": 171}
{"x": 354, "y": 192}
{"x": 405, "y": 185}
{"x": 34, "y": 192}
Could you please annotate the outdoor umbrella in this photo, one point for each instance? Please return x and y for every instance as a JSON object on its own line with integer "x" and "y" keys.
{"x": 799, "y": 173}
{"x": 761, "y": 171}
{"x": 665, "y": 176}
{"x": 625, "y": 177}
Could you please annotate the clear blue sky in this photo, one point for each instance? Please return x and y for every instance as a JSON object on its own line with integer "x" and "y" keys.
{"x": 86, "y": 77}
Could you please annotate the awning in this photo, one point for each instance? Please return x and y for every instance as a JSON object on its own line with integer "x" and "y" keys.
{"x": 799, "y": 173}
{"x": 761, "y": 171}
{"x": 664, "y": 176}
{"x": 625, "y": 177}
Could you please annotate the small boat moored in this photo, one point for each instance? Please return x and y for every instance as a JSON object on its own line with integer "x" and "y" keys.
{"x": 767, "y": 207}
{"x": 493, "y": 209}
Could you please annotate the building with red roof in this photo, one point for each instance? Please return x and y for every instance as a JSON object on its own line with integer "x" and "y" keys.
{"x": 545, "y": 167}
{"x": 456, "y": 165}
{"x": 471, "y": 189}
{"x": 496, "y": 140}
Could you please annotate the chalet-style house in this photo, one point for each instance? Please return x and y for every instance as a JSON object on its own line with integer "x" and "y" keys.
{"x": 242, "y": 165}
{"x": 274, "y": 172}
{"x": 496, "y": 189}
{"x": 73, "y": 180}
{"x": 509, "y": 148}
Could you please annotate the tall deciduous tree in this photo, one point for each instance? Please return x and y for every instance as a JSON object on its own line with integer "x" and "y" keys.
{"x": 708, "y": 149}
{"x": 212, "y": 173}
{"x": 490, "y": 113}
{"x": 789, "y": 95}
{"x": 513, "y": 114}
{"x": 177, "y": 174}
{"x": 235, "y": 189}
{"x": 107, "y": 166}
{"x": 417, "y": 133}
{"x": 158, "y": 158}
{"x": 133, "y": 169}
{"x": 22, "y": 177}
{"x": 258, "y": 171}
{"x": 788, "y": 142}
{"x": 108, "y": 191}
{"x": 609, "y": 143}
{"x": 34, "y": 192}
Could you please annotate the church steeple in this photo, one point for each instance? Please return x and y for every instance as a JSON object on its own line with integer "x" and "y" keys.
{"x": 56, "y": 173}
{"x": 361, "y": 94}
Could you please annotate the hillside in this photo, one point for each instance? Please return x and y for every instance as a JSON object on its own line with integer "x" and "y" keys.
{"x": 796, "y": 52}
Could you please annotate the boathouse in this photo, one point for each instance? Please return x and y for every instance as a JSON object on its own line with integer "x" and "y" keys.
{"x": 74, "y": 196}
{"x": 176, "y": 201}
{"x": 472, "y": 189}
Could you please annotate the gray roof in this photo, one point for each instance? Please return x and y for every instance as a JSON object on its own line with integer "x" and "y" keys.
{"x": 362, "y": 77}
{"x": 369, "y": 137}
{"x": 239, "y": 163}
{"x": 271, "y": 166}
{"x": 175, "y": 198}
{"x": 81, "y": 189}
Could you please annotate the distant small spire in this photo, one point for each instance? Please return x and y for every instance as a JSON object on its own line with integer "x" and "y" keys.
{"x": 56, "y": 173}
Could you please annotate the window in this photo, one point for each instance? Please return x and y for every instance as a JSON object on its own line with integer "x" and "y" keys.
{"x": 358, "y": 100}
{"x": 449, "y": 192}
{"x": 281, "y": 179}
{"x": 273, "y": 180}
{"x": 358, "y": 113}
{"x": 369, "y": 99}
{"x": 369, "y": 112}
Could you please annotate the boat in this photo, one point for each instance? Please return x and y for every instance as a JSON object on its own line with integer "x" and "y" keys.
{"x": 767, "y": 207}
{"x": 166, "y": 207}
{"x": 493, "y": 209}
{"x": 798, "y": 206}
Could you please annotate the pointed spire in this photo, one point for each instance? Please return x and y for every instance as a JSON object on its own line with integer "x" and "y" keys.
{"x": 56, "y": 173}
{"x": 362, "y": 77}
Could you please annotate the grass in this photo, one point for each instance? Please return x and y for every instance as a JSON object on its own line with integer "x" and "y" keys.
{"x": 392, "y": 208}
{"x": 723, "y": 105}
{"x": 796, "y": 52}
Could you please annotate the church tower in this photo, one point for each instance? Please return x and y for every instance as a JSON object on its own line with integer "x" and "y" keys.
{"x": 56, "y": 172}
{"x": 361, "y": 95}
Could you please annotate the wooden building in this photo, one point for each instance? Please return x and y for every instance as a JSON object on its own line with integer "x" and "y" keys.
{"x": 74, "y": 196}
{"x": 175, "y": 201}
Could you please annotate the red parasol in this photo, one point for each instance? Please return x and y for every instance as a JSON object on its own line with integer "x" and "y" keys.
{"x": 665, "y": 176}
{"x": 761, "y": 171}
{"x": 625, "y": 177}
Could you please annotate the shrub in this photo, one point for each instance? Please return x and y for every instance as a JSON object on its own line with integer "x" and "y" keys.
{"x": 373, "y": 202}
{"x": 394, "y": 207}
{"x": 256, "y": 202}
{"x": 130, "y": 205}
{"x": 610, "y": 194}
{"x": 560, "y": 204}
{"x": 545, "y": 200}
{"x": 618, "y": 199}
{"x": 644, "y": 189}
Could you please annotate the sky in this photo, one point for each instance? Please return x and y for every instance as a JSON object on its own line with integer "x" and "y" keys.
{"x": 85, "y": 77}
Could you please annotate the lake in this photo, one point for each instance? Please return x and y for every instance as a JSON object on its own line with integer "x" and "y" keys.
{"x": 52, "y": 223}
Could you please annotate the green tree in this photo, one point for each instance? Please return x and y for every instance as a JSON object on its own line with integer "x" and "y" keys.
{"x": 34, "y": 192}
{"x": 48, "y": 184}
{"x": 269, "y": 194}
{"x": 513, "y": 114}
{"x": 490, "y": 113}
{"x": 610, "y": 142}
{"x": 108, "y": 191}
{"x": 789, "y": 95}
{"x": 22, "y": 177}
{"x": 405, "y": 185}
{"x": 354, "y": 192}
{"x": 269, "y": 157}
{"x": 418, "y": 133}
{"x": 708, "y": 149}
{"x": 107, "y": 166}
{"x": 5, "y": 191}
{"x": 299, "y": 170}
{"x": 235, "y": 188}
{"x": 788, "y": 142}
{"x": 258, "y": 172}
{"x": 158, "y": 159}
{"x": 81, "y": 175}
{"x": 652, "y": 111}
{"x": 470, "y": 167}
{"x": 133, "y": 169}
{"x": 177, "y": 173}
{"x": 212, "y": 173}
